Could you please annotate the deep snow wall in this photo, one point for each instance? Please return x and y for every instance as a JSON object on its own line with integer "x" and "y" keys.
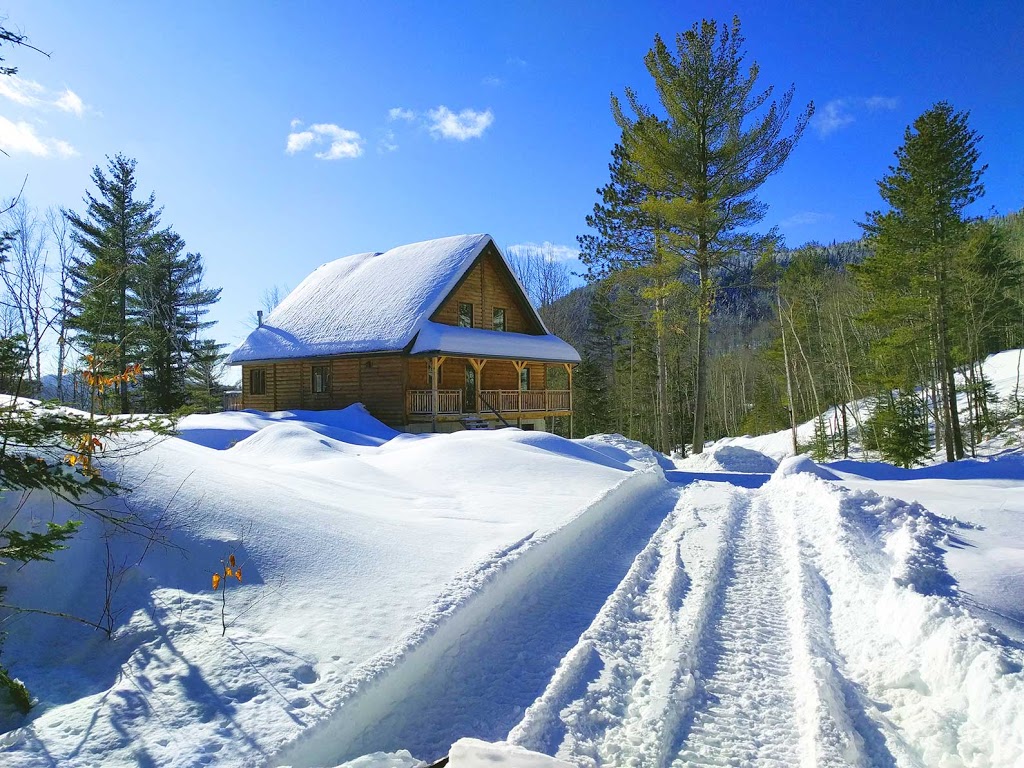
{"x": 505, "y": 619}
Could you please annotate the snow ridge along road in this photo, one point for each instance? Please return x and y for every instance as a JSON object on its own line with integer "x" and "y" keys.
{"x": 490, "y": 648}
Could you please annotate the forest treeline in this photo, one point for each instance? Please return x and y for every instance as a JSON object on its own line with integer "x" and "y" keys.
{"x": 693, "y": 325}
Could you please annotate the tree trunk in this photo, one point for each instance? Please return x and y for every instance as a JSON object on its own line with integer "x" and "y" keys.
{"x": 703, "y": 318}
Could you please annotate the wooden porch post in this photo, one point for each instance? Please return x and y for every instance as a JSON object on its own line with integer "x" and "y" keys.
{"x": 568, "y": 370}
{"x": 433, "y": 394}
{"x": 519, "y": 365}
{"x": 478, "y": 368}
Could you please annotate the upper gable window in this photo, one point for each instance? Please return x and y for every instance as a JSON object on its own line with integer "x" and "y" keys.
{"x": 321, "y": 378}
{"x": 499, "y": 319}
{"x": 465, "y": 314}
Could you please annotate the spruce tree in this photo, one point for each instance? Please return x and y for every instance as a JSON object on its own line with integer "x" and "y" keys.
{"x": 169, "y": 303}
{"x": 703, "y": 159}
{"x": 114, "y": 234}
{"x": 911, "y": 273}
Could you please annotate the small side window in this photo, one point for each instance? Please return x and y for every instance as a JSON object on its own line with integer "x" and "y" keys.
{"x": 465, "y": 314}
{"x": 499, "y": 319}
{"x": 257, "y": 381}
{"x": 321, "y": 379}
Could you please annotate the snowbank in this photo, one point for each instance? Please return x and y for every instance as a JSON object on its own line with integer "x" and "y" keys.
{"x": 349, "y": 535}
{"x": 729, "y": 458}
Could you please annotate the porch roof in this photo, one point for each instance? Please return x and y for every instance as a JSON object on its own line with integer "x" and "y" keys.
{"x": 436, "y": 338}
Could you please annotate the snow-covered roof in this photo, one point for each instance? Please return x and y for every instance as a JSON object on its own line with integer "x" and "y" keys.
{"x": 378, "y": 302}
{"x": 454, "y": 340}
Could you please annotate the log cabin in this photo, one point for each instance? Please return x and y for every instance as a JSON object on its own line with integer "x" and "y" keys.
{"x": 431, "y": 336}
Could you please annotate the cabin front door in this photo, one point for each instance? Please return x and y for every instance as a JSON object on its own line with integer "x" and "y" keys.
{"x": 469, "y": 395}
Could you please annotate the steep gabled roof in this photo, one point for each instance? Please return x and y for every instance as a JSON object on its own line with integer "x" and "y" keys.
{"x": 369, "y": 302}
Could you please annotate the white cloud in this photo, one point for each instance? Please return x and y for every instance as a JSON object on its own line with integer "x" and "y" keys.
{"x": 400, "y": 113}
{"x": 881, "y": 102}
{"x": 387, "y": 142}
{"x": 493, "y": 81}
{"x": 70, "y": 101}
{"x": 299, "y": 141}
{"x": 805, "y": 218}
{"x": 550, "y": 251}
{"x": 516, "y": 61}
{"x": 295, "y": 123}
{"x": 839, "y": 113}
{"x": 29, "y": 93}
{"x": 21, "y": 138}
{"x": 831, "y": 117}
{"x": 341, "y": 142}
{"x": 467, "y": 124}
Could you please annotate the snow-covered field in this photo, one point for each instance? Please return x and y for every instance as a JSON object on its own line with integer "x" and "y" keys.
{"x": 510, "y": 591}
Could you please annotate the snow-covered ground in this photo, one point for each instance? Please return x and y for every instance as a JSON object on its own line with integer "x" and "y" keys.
{"x": 513, "y": 598}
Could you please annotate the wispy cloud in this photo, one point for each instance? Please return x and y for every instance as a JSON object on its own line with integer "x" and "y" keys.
{"x": 550, "y": 251}
{"x": 516, "y": 61}
{"x": 401, "y": 113}
{"x": 29, "y": 93}
{"x": 21, "y": 139}
{"x": 493, "y": 81}
{"x": 881, "y": 102}
{"x": 340, "y": 143}
{"x": 69, "y": 101}
{"x": 461, "y": 126}
{"x": 838, "y": 113}
{"x": 805, "y": 218}
{"x": 387, "y": 143}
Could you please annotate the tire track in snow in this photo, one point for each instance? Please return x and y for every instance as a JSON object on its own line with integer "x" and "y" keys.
{"x": 618, "y": 696}
{"x": 746, "y": 711}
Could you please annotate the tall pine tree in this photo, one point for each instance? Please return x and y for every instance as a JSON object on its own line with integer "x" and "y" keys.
{"x": 703, "y": 159}
{"x": 114, "y": 234}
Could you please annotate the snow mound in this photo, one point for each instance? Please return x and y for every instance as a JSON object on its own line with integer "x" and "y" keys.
{"x": 353, "y": 425}
{"x": 290, "y": 443}
{"x": 574, "y": 449}
{"x": 473, "y": 753}
{"x": 730, "y": 458}
{"x": 796, "y": 465}
{"x": 627, "y": 451}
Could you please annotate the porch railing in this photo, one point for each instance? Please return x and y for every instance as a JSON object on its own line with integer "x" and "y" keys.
{"x": 449, "y": 401}
{"x": 512, "y": 401}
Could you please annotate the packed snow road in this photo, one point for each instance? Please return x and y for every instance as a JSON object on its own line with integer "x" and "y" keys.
{"x": 795, "y": 624}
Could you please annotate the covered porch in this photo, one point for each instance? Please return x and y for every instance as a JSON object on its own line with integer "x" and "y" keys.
{"x": 448, "y": 387}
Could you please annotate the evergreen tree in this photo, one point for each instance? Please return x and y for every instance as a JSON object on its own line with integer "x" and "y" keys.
{"x": 704, "y": 159}
{"x": 114, "y": 234}
{"x": 205, "y": 392}
{"x": 169, "y": 303}
{"x": 936, "y": 176}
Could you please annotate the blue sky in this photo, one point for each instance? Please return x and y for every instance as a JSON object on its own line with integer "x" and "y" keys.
{"x": 414, "y": 120}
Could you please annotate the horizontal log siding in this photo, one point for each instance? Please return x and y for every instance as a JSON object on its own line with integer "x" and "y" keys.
{"x": 344, "y": 381}
{"x": 486, "y": 286}
{"x": 288, "y": 386}
{"x": 382, "y": 388}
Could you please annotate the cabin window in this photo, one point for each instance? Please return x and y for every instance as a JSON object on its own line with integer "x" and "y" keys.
{"x": 321, "y": 379}
{"x": 465, "y": 314}
{"x": 499, "y": 319}
{"x": 524, "y": 380}
{"x": 257, "y": 381}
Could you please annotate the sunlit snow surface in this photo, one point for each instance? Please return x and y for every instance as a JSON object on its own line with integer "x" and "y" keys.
{"x": 513, "y": 598}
